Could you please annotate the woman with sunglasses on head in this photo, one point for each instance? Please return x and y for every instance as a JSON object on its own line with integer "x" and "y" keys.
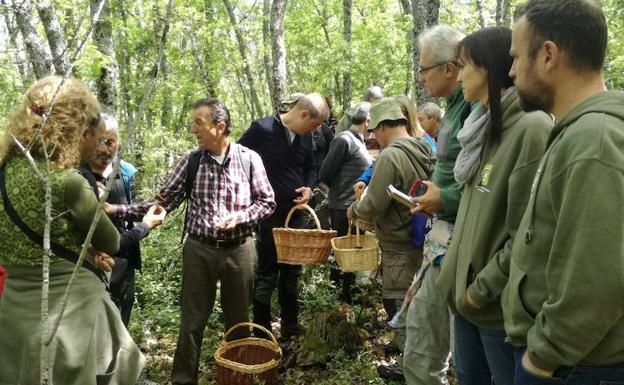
{"x": 501, "y": 149}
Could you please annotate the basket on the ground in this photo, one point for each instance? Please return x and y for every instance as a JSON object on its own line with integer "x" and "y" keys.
{"x": 356, "y": 252}
{"x": 241, "y": 361}
{"x": 302, "y": 246}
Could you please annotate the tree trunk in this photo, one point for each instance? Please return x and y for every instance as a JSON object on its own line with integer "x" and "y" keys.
{"x": 12, "y": 32}
{"x": 346, "y": 79}
{"x": 433, "y": 12}
{"x": 37, "y": 54}
{"x": 278, "y": 44}
{"x": 479, "y": 4}
{"x": 266, "y": 47}
{"x": 209, "y": 48}
{"x": 56, "y": 39}
{"x": 125, "y": 71}
{"x": 135, "y": 142}
{"x": 257, "y": 107}
{"x": 165, "y": 112}
{"x": 503, "y": 13}
{"x": 406, "y": 8}
{"x": 103, "y": 37}
{"x": 419, "y": 17}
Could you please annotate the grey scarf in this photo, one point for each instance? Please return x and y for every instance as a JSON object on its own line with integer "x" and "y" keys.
{"x": 471, "y": 137}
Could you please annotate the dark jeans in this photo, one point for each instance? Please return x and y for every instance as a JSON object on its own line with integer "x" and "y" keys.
{"x": 271, "y": 275}
{"x": 202, "y": 267}
{"x": 340, "y": 223}
{"x": 482, "y": 356}
{"x": 577, "y": 375}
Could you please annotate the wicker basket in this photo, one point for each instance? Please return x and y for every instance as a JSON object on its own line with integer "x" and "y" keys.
{"x": 302, "y": 246}
{"x": 241, "y": 361}
{"x": 356, "y": 252}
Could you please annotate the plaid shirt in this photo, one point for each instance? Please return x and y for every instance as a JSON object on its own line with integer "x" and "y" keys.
{"x": 218, "y": 190}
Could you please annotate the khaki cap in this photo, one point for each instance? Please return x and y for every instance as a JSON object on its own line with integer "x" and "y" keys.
{"x": 386, "y": 109}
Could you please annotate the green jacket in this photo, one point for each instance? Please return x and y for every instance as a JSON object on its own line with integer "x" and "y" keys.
{"x": 565, "y": 296}
{"x": 73, "y": 207}
{"x": 491, "y": 207}
{"x": 457, "y": 110}
{"x": 392, "y": 219}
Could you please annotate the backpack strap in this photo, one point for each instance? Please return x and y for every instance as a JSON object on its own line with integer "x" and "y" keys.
{"x": 245, "y": 161}
{"x": 36, "y": 238}
{"x": 191, "y": 173}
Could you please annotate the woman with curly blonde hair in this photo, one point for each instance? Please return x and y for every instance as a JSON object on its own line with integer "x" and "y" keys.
{"x": 91, "y": 345}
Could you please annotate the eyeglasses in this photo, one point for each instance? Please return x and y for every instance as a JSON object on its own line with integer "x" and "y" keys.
{"x": 421, "y": 71}
{"x": 106, "y": 142}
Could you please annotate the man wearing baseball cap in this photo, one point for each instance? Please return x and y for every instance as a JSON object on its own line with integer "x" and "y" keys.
{"x": 402, "y": 162}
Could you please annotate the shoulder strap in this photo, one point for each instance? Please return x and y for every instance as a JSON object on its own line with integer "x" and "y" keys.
{"x": 245, "y": 161}
{"x": 35, "y": 237}
{"x": 191, "y": 173}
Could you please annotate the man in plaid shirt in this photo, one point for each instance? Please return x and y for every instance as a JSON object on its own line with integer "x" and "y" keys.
{"x": 225, "y": 204}
{"x": 284, "y": 141}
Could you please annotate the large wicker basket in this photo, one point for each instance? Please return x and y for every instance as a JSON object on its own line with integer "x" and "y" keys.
{"x": 241, "y": 361}
{"x": 302, "y": 246}
{"x": 356, "y": 252}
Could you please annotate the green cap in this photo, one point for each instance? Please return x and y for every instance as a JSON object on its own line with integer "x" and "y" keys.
{"x": 386, "y": 109}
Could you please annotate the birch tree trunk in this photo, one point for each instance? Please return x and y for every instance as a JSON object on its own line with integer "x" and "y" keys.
{"x": 38, "y": 56}
{"x": 13, "y": 34}
{"x": 125, "y": 71}
{"x": 56, "y": 39}
{"x": 346, "y": 79}
{"x": 280, "y": 72}
{"x": 266, "y": 47}
{"x": 103, "y": 36}
{"x": 257, "y": 107}
{"x": 209, "y": 49}
{"x": 479, "y": 4}
{"x": 419, "y": 17}
{"x": 406, "y": 8}
{"x": 433, "y": 12}
{"x": 503, "y": 13}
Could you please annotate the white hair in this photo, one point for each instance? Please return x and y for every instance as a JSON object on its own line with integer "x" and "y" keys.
{"x": 110, "y": 121}
{"x": 373, "y": 93}
{"x": 432, "y": 110}
{"x": 441, "y": 41}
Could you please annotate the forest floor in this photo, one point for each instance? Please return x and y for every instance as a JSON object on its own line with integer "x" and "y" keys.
{"x": 350, "y": 356}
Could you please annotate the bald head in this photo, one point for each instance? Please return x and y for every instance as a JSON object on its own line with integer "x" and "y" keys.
{"x": 308, "y": 113}
{"x": 315, "y": 104}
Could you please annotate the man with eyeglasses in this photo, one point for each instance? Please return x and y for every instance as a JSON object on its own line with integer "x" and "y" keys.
{"x": 427, "y": 348}
{"x": 98, "y": 150}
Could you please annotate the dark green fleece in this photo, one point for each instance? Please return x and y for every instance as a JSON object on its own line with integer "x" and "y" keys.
{"x": 457, "y": 109}
{"x": 565, "y": 296}
{"x": 491, "y": 206}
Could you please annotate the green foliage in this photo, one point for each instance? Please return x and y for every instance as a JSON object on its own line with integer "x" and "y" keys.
{"x": 317, "y": 60}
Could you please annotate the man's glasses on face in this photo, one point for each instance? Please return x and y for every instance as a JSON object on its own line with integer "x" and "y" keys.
{"x": 106, "y": 142}
{"x": 423, "y": 70}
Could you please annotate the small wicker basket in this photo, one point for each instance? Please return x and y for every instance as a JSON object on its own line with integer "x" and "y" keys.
{"x": 241, "y": 361}
{"x": 302, "y": 246}
{"x": 356, "y": 252}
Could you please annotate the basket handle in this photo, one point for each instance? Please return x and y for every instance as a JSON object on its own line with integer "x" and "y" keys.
{"x": 253, "y": 325}
{"x": 302, "y": 207}
{"x": 357, "y": 232}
